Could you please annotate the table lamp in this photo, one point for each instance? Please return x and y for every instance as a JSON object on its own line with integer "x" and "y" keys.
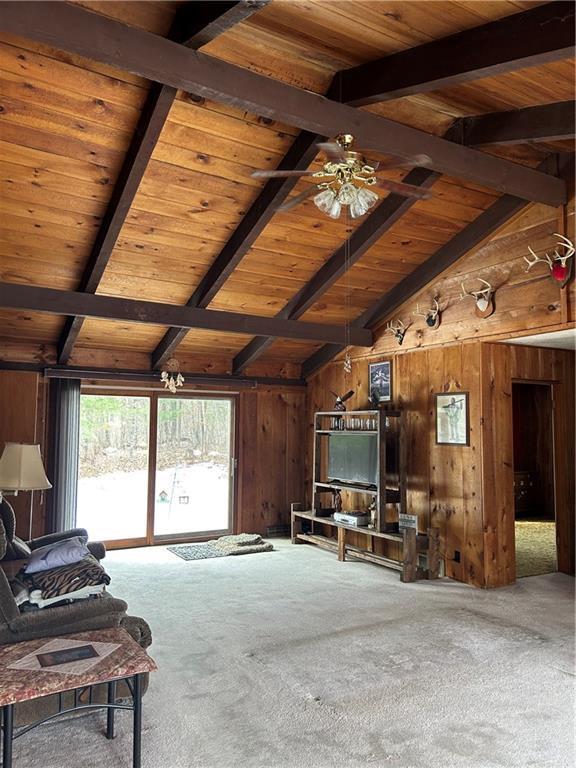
{"x": 21, "y": 469}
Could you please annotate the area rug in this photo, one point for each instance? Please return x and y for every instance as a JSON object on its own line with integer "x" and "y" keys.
{"x": 535, "y": 548}
{"x": 240, "y": 544}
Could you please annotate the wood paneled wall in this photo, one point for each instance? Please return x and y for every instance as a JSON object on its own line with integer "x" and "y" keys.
{"x": 526, "y": 302}
{"x": 272, "y": 438}
{"x": 444, "y": 482}
{"x": 467, "y": 491}
{"x": 22, "y": 420}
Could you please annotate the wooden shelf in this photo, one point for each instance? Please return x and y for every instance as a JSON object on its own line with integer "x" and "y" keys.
{"x": 332, "y": 546}
{"x": 394, "y": 413}
{"x": 357, "y": 528}
{"x": 335, "y": 485}
{"x": 392, "y": 494}
{"x": 346, "y": 431}
{"x": 390, "y": 470}
{"x": 411, "y": 542}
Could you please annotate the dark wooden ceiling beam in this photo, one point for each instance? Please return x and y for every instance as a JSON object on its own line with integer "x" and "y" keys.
{"x": 472, "y": 235}
{"x": 48, "y": 300}
{"x": 130, "y": 374}
{"x": 206, "y": 20}
{"x": 392, "y": 208}
{"x": 550, "y": 122}
{"x": 194, "y": 25}
{"x": 155, "y": 58}
{"x": 536, "y": 36}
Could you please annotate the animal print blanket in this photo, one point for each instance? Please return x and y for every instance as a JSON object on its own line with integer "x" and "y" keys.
{"x": 68, "y": 578}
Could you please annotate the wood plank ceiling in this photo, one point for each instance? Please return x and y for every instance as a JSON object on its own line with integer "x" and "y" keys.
{"x": 193, "y": 226}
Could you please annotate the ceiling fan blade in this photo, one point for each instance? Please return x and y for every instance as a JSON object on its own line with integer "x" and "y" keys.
{"x": 406, "y": 190}
{"x": 333, "y": 151}
{"x": 280, "y": 174}
{"x": 420, "y": 161}
{"x": 294, "y": 201}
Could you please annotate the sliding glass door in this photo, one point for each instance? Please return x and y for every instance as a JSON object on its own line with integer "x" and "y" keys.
{"x": 193, "y": 466}
{"x": 113, "y": 467}
{"x": 155, "y": 468}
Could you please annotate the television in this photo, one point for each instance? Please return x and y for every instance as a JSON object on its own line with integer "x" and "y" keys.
{"x": 353, "y": 459}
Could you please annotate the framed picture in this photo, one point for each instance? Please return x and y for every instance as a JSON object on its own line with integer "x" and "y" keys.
{"x": 381, "y": 382}
{"x": 452, "y": 419}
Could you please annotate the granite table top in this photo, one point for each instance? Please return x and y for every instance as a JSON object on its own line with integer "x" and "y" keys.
{"x": 119, "y": 656}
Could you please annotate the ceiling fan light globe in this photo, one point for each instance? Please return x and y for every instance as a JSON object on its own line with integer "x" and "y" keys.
{"x": 367, "y": 197}
{"x": 324, "y": 200}
{"x": 357, "y": 208}
{"x": 347, "y": 194}
{"x": 335, "y": 209}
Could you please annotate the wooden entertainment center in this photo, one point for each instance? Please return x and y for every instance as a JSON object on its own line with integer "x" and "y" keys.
{"x": 317, "y": 526}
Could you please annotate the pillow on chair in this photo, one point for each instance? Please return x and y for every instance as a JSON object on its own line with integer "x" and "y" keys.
{"x": 65, "y": 552}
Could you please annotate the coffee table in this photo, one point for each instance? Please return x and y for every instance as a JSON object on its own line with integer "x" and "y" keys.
{"x": 114, "y": 656}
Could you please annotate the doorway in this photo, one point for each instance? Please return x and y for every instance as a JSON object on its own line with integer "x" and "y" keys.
{"x": 155, "y": 468}
{"x": 534, "y": 493}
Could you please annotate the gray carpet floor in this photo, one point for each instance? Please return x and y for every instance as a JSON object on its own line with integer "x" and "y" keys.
{"x": 289, "y": 659}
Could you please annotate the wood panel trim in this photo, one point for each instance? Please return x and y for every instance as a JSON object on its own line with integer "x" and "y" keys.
{"x": 155, "y": 58}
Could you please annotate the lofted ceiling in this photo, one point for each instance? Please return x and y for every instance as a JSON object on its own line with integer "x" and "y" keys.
{"x": 70, "y": 127}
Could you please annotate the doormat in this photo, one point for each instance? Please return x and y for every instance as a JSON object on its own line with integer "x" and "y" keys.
{"x": 241, "y": 544}
{"x": 535, "y": 548}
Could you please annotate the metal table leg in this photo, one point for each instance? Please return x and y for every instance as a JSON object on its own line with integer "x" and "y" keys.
{"x": 7, "y": 734}
{"x": 137, "y": 731}
{"x": 111, "y": 712}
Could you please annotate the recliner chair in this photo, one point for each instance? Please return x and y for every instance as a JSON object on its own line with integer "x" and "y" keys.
{"x": 79, "y": 616}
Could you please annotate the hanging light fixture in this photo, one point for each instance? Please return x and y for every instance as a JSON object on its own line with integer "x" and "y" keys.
{"x": 359, "y": 199}
{"x": 171, "y": 376}
{"x": 348, "y": 186}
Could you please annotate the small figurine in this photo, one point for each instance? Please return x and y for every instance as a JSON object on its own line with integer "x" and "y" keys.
{"x": 337, "y": 501}
{"x": 340, "y": 400}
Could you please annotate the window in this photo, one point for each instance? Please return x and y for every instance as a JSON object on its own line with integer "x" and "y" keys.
{"x": 155, "y": 467}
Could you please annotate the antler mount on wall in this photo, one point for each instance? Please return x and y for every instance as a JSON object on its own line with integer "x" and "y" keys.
{"x": 432, "y": 316}
{"x": 559, "y": 264}
{"x": 483, "y": 298}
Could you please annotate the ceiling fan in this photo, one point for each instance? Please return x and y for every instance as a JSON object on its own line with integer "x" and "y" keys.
{"x": 346, "y": 180}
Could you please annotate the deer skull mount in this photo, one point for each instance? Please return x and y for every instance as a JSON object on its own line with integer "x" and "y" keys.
{"x": 559, "y": 264}
{"x": 397, "y": 329}
{"x": 432, "y": 316}
{"x": 484, "y": 298}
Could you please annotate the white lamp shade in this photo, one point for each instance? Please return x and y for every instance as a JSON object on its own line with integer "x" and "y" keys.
{"x": 21, "y": 468}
